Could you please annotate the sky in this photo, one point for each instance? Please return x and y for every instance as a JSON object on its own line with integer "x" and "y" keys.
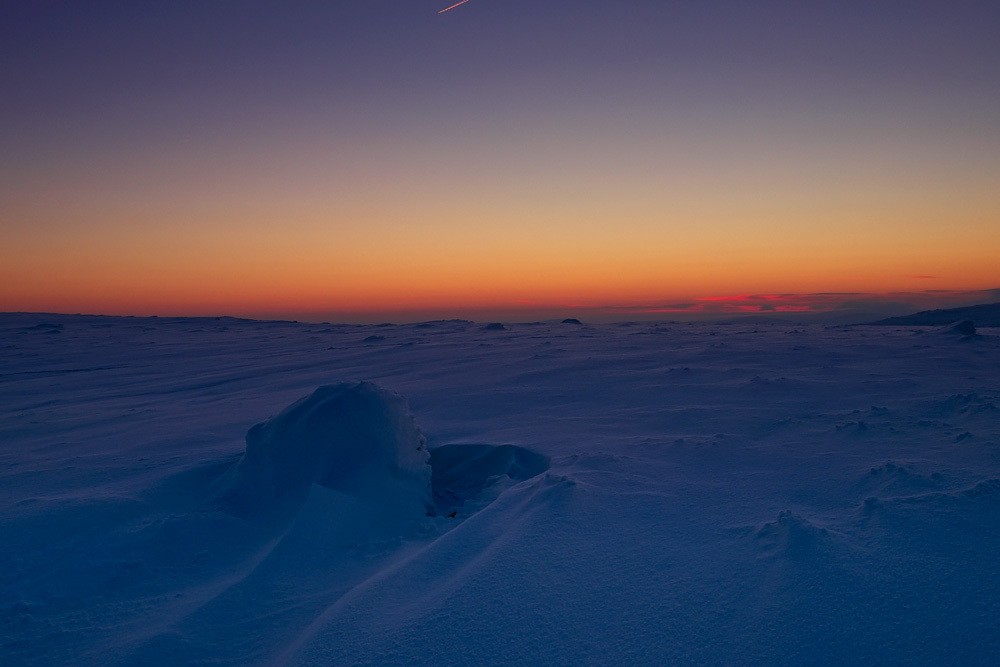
{"x": 364, "y": 160}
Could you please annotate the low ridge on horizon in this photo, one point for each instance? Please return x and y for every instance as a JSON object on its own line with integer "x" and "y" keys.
{"x": 983, "y": 315}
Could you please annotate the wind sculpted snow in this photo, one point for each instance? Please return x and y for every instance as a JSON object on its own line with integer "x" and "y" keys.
{"x": 352, "y": 437}
{"x": 642, "y": 494}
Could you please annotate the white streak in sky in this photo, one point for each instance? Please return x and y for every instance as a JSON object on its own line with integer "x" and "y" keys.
{"x": 457, "y": 4}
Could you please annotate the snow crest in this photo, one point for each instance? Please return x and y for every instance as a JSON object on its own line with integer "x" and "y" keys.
{"x": 354, "y": 438}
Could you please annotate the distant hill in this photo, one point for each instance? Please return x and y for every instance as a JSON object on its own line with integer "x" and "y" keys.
{"x": 983, "y": 315}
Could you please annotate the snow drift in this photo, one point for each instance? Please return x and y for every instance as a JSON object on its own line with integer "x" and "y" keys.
{"x": 354, "y": 438}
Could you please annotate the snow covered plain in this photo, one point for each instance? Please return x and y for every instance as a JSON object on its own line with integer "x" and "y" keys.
{"x": 635, "y": 493}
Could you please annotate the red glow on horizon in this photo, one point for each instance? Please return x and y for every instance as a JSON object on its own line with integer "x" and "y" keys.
{"x": 730, "y": 298}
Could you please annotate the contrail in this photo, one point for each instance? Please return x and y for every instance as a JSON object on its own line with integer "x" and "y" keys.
{"x": 457, "y": 4}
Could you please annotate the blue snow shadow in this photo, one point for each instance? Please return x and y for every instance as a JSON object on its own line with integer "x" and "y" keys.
{"x": 461, "y": 473}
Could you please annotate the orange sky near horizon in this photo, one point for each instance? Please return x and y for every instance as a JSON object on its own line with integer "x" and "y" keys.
{"x": 480, "y": 243}
{"x": 270, "y": 270}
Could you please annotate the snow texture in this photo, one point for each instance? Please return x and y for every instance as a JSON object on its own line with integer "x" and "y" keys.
{"x": 637, "y": 493}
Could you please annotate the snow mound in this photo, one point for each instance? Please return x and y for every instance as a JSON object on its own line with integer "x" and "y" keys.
{"x": 970, "y": 405}
{"x": 984, "y": 494}
{"x": 45, "y": 327}
{"x": 960, "y": 328}
{"x": 959, "y": 526}
{"x": 355, "y": 438}
{"x": 793, "y": 537}
{"x": 893, "y": 479}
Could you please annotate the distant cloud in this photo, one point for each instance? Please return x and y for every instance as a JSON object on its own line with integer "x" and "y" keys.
{"x": 747, "y": 304}
{"x": 925, "y": 277}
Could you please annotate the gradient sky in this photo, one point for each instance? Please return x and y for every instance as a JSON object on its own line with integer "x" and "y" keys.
{"x": 363, "y": 159}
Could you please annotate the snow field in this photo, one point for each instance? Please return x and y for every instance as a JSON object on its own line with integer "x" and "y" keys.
{"x": 638, "y": 493}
